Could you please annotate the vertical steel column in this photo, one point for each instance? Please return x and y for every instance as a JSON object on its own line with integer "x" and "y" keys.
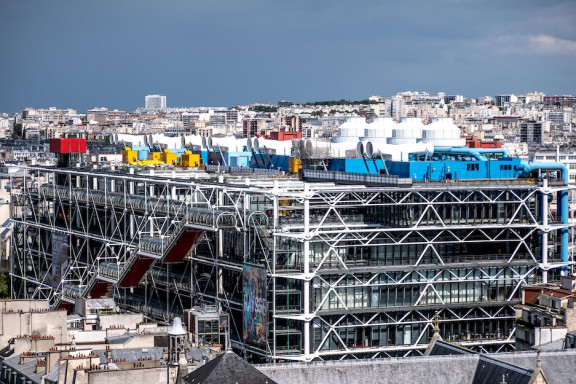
{"x": 544, "y": 252}
{"x": 563, "y": 209}
{"x": 307, "y": 277}
{"x": 131, "y": 193}
{"x": 219, "y": 274}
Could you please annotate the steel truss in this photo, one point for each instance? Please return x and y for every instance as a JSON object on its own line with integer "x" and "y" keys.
{"x": 352, "y": 271}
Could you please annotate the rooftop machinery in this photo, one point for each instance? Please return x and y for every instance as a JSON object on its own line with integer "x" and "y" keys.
{"x": 307, "y": 270}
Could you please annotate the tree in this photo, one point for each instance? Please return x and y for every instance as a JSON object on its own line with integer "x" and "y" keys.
{"x": 17, "y": 131}
{"x": 4, "y": 284}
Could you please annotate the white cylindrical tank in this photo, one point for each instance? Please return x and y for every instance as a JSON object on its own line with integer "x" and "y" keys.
{"x": 443, "y": 133}
{"x": 408, "y": 131}
{"x": 351, "y": 130}
{"x": 379, "y": 130}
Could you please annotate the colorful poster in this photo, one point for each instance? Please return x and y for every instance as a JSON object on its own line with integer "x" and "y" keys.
{"x": 60, "y": 252}
{"x": 255, "y": 305}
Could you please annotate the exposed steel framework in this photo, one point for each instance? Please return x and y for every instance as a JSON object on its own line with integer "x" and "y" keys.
{"x": 353, "y": 271}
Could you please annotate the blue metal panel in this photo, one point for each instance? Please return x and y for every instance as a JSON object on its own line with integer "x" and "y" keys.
{"x": 238, "y": 159}
{"x": 281, "y": 162}
{"x": 143, "y": 154}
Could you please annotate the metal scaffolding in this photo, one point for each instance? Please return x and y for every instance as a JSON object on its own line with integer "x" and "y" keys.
{"x": 348, "y": 271}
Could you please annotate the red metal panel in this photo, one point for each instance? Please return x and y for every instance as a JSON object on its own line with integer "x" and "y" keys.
{"x": 100, "y": 289}
{"x": 82, "y": 143}
{"x": 55, "y": 145}
{"x": 137, "y": 272}
{"x": 187, "y": 239}
{"x": 531, "y": 294}
{"x": 68, "y": 145}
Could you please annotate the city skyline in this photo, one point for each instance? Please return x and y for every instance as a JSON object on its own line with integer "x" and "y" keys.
{"x": 67, "y": 54}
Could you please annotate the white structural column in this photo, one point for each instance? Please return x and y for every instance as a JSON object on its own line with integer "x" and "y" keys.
{"x": 545, "y": 231}
{"x": 307, "y": 276}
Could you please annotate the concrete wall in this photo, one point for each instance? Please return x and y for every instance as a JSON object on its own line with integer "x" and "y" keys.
{"x": 127, "y": 320}
{"x": 570, "y": 314}
{"x": 42, "y": 344}
{"x": 545, "y": 335}
{"x": 115, "y": 332}
{"x": 22, "y": 344}
{"x": 88, "y": 336}
{"x": 50, "y": 324}
{"x": 141, "y": 341}
{"x": 147, "y": 326}
{"x": 157, "y": 375}
{"x": 23, "y": 305}
{"x": 13, "y": 324}
{"x": 68, "y": 367}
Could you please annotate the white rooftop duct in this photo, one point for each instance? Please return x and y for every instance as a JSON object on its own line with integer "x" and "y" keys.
{"x": 343, "y": 149}
{"x": 193, "y": 141}
{"x": 317, "y": 149}
{"x": 230, "y": 143}
{"x": 360, "y": 151}
{"x": 164, "y": 141}
{"x": 279, "y": 147}
{"x": 396, "y": 152}
{"x": 129, "y": 140}
{"x": 312, "y": 148}
{"x": 250, "y": 144}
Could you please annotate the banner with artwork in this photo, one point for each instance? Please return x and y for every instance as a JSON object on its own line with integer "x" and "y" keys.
{"x": 255, "y": 305}
{"x": 60, "y": 252}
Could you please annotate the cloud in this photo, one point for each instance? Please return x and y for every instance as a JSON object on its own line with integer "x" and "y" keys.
{"x": 551, "y": 44}
{"x": 532, "y": 45}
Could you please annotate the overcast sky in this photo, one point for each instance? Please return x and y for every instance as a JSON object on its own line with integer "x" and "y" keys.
{"x": 111, "y": 53}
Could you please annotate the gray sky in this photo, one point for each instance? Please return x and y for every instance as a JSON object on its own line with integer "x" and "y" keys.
{"x": 111, "y": 53}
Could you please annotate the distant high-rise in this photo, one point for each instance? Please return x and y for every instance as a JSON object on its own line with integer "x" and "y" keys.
{"x": 155, "y": 102}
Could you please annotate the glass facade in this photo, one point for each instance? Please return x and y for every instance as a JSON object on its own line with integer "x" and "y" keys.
{"x": 350, "y": 271}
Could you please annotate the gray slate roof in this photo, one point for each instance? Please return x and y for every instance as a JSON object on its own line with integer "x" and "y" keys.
{"x": 558, "y": 366}
{"x": 27, "y": 369}
{"x": 489, "y": 371}
{"x": 227, "y": 368}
